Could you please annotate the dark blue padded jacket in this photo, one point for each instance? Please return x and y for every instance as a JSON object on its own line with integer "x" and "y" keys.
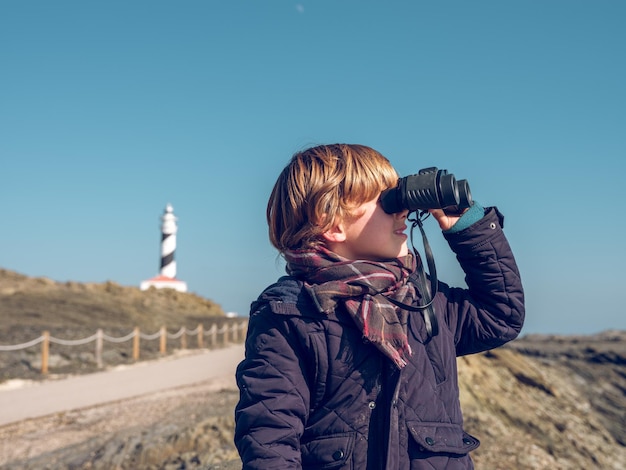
{"x": 315, "y": 395}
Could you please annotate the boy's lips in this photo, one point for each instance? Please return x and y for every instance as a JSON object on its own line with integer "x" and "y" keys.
{"x": 400, "y": 231}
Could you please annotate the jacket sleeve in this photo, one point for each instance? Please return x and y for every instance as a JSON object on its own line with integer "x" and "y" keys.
{"x": 274, "y": 401}
{"x": 491, "y": 311}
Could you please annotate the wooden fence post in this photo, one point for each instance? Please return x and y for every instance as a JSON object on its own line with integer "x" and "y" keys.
{"x": 163, "y": 345}
{"x": 214, "y": 335}
{"x": 136, "y": 338}
{"x": 200, "y": 336}
{"x": 99, "y": 338}
{"x": 45, "y": 351}
{"x": 183, "y": 339}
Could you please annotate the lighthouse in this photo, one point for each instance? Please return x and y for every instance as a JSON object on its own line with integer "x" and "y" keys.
{"x": 167, "y": 274}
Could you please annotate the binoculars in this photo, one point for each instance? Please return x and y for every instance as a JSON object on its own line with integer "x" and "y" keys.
{"x": 431, "y": 188}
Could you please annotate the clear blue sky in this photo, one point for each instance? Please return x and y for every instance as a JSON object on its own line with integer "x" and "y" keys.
{"x": 110, "y": 110}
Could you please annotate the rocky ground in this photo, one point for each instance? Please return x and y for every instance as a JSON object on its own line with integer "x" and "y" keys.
{"x": 548, "y": 402}
{"x": 542, "y": 402}
{"x": 183, "y": 428}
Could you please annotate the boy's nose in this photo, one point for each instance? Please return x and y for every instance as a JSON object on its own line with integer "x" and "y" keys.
{"x": 401, "y": 215}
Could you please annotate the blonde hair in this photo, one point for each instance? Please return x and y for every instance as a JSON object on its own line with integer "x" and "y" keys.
{"x": 320, "y": 186}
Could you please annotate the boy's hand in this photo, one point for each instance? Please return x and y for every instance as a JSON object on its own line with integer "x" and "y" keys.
{"x": 445, "y": 221}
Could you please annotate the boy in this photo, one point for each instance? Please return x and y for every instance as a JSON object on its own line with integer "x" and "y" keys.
{"x": 336, "y": 375}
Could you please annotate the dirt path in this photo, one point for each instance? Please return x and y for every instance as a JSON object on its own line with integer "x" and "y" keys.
{"x": 20, "y": 401}
{"x": 190, "y": 424}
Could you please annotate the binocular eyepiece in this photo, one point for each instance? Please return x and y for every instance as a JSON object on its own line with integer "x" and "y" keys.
{"x": 429, "y": 189}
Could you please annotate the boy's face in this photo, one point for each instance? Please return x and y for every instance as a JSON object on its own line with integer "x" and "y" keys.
{"x": 371, "y": 234}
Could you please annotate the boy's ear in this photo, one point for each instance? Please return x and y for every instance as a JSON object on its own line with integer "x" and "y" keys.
{"x": 335, "y": 234}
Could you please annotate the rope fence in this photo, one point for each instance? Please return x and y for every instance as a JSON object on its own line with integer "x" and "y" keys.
{"x": 214, "y": 337}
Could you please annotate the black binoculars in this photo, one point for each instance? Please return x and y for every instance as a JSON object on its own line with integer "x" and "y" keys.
{"x": 429, "y": 189}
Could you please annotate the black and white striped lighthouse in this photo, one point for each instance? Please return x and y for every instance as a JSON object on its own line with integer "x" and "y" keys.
{"x": 168, "y": 242}
{"x": 167, "y": 273}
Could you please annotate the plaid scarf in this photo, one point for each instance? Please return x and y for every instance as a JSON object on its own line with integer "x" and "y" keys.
{"x": 362, "y": 287}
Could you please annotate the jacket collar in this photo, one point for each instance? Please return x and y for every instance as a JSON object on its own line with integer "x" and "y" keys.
{"x": 288, "y": 297}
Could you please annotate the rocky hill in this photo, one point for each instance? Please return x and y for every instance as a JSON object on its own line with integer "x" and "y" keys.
{"x": 541, "y": 402}
{"x": 73, "y": 311}
{"x": 548, "y": 402}
{"x": 44, "y": 303}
